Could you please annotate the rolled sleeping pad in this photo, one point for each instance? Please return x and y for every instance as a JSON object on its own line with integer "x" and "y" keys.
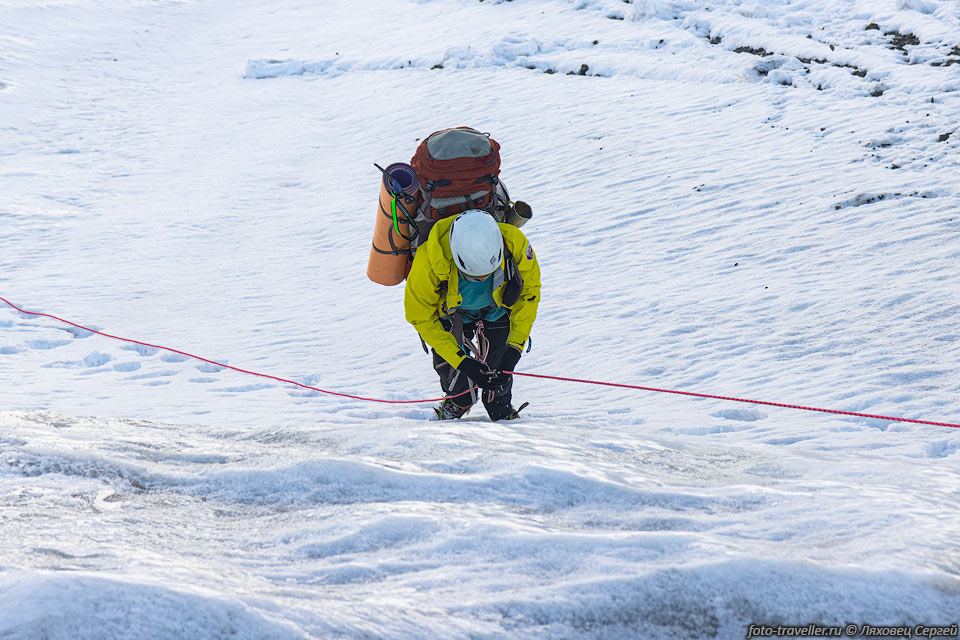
{"x": 518, "y": 213}
{"x": 389, "y": 259}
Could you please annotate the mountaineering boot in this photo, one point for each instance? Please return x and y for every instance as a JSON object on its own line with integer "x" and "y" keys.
{"x": 512, "y": 414}
{"x": 449, "y": 410}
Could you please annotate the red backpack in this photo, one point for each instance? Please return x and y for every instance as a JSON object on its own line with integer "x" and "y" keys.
{"x": 459, "y": 169}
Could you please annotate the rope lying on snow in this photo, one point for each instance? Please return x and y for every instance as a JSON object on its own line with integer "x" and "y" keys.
{"x": 214, "y": 362}
{"x": 529, "y": 375}
{"x": 731, "y": 399}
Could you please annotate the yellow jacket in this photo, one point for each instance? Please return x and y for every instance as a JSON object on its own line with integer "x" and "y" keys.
{"x": 434, "y": 265}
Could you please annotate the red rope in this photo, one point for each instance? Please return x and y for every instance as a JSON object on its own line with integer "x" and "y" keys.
{"x": 713, "y": 397}
{"x": 529, "y": 375}
{"x": 219, "y": 364}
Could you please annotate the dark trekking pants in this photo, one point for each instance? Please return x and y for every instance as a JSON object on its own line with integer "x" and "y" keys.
{"x": 453, "y": 382}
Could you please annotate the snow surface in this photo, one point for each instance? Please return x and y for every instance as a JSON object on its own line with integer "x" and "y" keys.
{"x": 739, "y": 198}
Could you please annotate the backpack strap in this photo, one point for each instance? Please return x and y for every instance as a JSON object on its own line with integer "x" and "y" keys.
{"x": 423, "y": 219}
{"x": 514, "y": 281}
{"x": 452, "y": 321}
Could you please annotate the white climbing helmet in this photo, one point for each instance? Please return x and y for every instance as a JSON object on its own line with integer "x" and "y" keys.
{"x": 476, "y": 243}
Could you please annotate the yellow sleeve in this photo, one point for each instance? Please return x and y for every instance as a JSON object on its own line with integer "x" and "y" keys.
{"x": 421, "y": 304}
{"x": 525, "y": 309}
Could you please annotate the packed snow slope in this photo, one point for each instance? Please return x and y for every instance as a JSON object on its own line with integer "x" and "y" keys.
{"x": 739, "y": 198}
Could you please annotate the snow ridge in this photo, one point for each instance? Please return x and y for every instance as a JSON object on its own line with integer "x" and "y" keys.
{"x": 902, "y": 56}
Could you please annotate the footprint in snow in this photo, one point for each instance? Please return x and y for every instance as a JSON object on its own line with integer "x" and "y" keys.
{"x": 247, "y": 387}
{"x": 96, "y": 359}
{"x": 63, "y": 364}
{"x": 154, "y": 374}
{"x": 77, "y": 332}
{"x": 708, "y": 430}
{"x": 143, "y": 350}
{"x": 46, "y": 344}
{"x": 300, "y": 392}
{"x": 741, "y": 415}
{"x": 303, "y": 393}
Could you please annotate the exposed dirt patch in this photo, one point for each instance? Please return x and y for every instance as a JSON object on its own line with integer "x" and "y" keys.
{"x": 870, "y": 198}
{"x": 897, "y": 41}
{"x": 760, "y": 52}
{"x": 952, "y": 58}
{"x": 582, "y": 71}
{"x": 763, "y": 53}
{"x": 900, "y": 41}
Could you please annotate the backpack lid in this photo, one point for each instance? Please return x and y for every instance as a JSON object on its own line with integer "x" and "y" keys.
{"x": 458, "y": 169}
{"x": 457, "y": 161}
{"x": 461, "y": 142}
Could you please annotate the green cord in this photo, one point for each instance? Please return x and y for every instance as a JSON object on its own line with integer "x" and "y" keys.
{"x": 393, "y": 209}
{"x": 396, "y": 222}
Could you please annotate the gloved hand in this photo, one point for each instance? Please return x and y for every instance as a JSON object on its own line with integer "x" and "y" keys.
{"x": 478, "y": 373}
{"x": 508, "y": 361}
